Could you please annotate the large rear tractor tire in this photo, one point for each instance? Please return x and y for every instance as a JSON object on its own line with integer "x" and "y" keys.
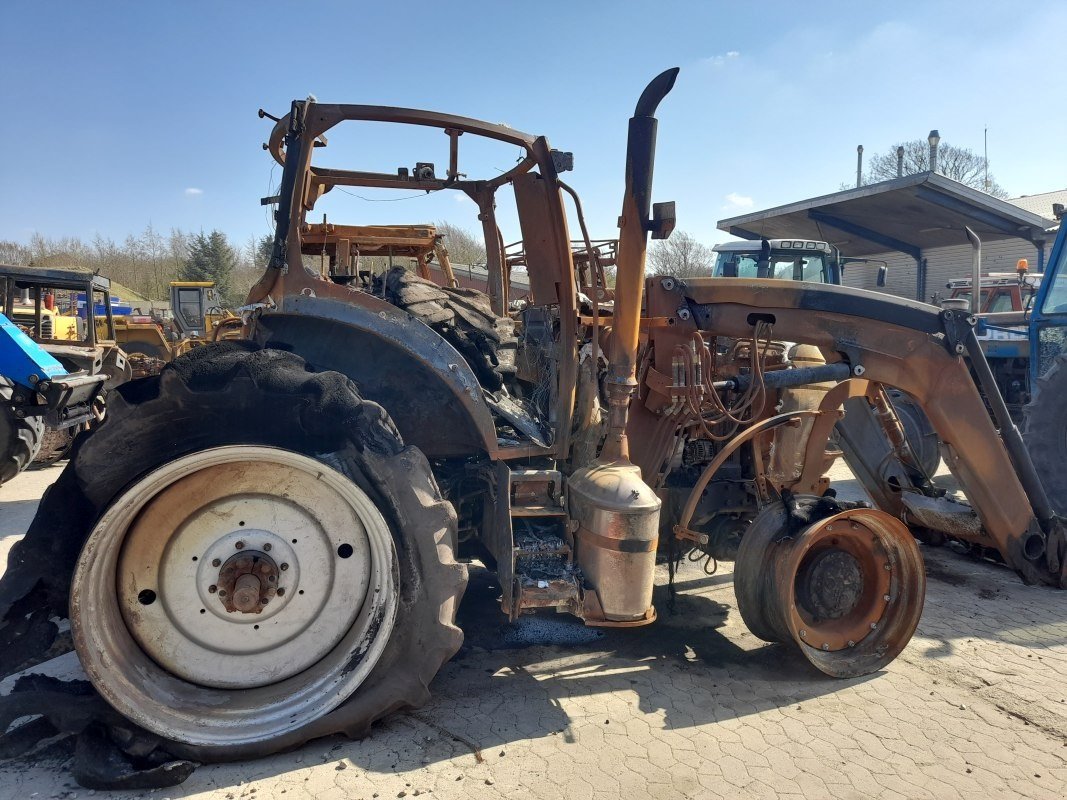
{"x": 20, "y": 439}
{"x": 264, "y": 561}
{"x": 1045, "y": 431}
{"x": 846, "y": 590}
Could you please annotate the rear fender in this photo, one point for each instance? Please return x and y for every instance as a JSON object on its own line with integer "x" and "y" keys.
{"x": 398, "y": 361}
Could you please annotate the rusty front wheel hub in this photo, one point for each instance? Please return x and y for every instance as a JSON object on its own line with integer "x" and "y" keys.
{"x": 848, "y": 590}
{"x": 248, "y": 581}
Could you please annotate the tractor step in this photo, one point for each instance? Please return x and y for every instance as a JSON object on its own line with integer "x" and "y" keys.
{"x": 545, "y": 574}
{"x": 537, "y": 493}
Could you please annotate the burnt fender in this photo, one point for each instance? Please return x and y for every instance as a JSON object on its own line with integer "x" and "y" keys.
{"x": 396, "y": 360}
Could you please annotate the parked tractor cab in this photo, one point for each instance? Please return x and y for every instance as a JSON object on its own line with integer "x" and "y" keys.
{"x": 44, "y": 304}
{"x": 54, "y": 364}
{"x": 786, "y": 259}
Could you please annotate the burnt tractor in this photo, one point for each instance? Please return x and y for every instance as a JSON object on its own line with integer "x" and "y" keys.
{"x": 264, "y": 543}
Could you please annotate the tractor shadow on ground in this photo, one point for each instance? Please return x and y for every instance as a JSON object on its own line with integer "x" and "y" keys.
{"x": 551, "y": 676}
{"x": 16, "y": 516}
{"x": 548, "y": 675}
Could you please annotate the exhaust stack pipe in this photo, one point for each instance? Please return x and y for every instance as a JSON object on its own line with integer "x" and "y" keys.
{"x": 635, "y": 226}
{"x": 615, "y": 511}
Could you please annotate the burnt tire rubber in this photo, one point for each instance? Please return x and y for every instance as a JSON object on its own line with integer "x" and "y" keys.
{"x": 464, "y": 317}
{"x": 1045, "y": 431}
{"x": 233, "y": 396}
{"x": 20, "y": 439}
{"x": 918, "y": 430}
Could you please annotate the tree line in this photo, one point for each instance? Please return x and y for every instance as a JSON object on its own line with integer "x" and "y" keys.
{"x": 148, "y": 261}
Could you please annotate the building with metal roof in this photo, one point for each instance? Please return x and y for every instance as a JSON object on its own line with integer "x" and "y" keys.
{"x": 916, "y": 224}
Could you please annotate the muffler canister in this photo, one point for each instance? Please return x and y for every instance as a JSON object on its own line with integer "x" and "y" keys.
{"x": 615, "y": 542}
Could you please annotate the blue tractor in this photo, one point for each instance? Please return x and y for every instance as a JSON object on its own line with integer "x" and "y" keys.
{"x": 36, "y": 391}
{"x": 1044, "y": 423}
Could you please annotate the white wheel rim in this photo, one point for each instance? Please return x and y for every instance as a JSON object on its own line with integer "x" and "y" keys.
{"x": 153, "y": 633}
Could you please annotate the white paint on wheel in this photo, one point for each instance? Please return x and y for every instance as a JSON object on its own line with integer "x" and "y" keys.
{"x": 159, "y": 644}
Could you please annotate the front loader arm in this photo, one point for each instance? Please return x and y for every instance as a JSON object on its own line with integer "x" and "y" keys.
{"x": 889, "y": 341}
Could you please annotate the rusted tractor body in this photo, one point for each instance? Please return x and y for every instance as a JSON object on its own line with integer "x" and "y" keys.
{"x": 373, "y": 427}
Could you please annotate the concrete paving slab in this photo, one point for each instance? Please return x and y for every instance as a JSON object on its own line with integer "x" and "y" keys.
{"x": 691, "y": 707}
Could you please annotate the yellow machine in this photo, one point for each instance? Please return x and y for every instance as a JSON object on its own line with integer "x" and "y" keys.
{"x": 196, "y": 317}
{"x": 59, "y": 320}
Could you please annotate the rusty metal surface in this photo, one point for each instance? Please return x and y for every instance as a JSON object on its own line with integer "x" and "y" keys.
{"x": 896, "y": 343}
{"x": 618, "y": 526}
{"x": 846, "y": 587}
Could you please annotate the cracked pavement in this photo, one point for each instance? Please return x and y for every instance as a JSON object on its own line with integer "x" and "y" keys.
{"x": 693, "y": 706}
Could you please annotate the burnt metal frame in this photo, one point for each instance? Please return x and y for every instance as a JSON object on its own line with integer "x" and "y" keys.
{"x": 899, "y": 343}
{"x": 291, "y": 143}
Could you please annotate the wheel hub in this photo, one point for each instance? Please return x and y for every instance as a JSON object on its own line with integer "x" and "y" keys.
{"x": 831, "y": 585}
{"x": 248, "y": 581}
{"x": 848, "y": 589}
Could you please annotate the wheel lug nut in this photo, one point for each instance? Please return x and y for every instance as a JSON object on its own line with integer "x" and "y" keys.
{"x": 803, "y": 634}
{"x": 217, "y": 562}
{"x": 266, "y": 547}
{"x": 212, "y": 589}
{"x": 874, "y": 626}
{"x": 885, "y": 597}
{"x": 851, "y": 643}
{"x": 239, "y": 545}
{"x": 825, "y": 646}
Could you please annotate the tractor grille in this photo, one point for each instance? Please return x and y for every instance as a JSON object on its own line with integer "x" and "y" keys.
{"x": 27, "y": 321}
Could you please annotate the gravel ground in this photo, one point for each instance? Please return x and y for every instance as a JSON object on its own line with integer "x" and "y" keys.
{"x": 693, "y": 706}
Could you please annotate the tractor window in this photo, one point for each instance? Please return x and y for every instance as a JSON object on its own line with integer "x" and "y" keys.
{"x": 1056, "y": 299}
{"x": 1002, "y": 301}
{"x": 105, "y": 327}
{"x": 189, "y": 308}
{"x": 783, "y": 266}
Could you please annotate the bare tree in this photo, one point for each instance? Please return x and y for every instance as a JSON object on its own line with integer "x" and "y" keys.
{"x": 958, "y": 163}
{"x": 681, "y": 256}
{"x": 464, "y": 247}
{"x": 14, "y": 253}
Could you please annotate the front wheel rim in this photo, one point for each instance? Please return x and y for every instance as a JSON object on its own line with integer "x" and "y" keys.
{"x": 308, "y": 576}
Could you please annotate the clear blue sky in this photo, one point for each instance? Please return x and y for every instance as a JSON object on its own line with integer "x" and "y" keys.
{"x": 121, "y": 114}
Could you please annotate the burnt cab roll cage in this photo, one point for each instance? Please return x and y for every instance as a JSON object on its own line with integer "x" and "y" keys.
{"x": 534, "y": 180}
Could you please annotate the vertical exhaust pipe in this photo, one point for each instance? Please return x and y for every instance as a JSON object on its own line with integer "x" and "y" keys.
{"x": 976, "y": 269}
{"x": 615, "y": 511}
{"x": 634, "y": 227}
